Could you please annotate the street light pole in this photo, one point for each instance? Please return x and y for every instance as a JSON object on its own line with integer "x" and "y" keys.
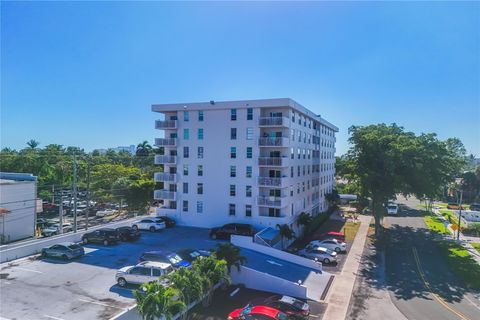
{"x": 459, "y": 215}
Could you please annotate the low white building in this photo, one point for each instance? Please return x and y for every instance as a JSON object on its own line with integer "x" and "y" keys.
{"x": 18, "y": 204}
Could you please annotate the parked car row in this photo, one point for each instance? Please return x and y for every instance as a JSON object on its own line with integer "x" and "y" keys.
{"x": 275, "y": 307}
{"x": 325, "y": 250}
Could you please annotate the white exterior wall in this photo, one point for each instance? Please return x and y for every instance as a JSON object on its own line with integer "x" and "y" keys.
{"x": 216, "y": 162}
{"x": 19, "y": 198}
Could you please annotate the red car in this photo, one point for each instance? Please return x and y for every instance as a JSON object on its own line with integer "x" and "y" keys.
{"x": 257, "y": 313}
{"x": 336, "y": 235}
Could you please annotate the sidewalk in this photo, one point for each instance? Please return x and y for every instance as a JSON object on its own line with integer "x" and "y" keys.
{"x": 341, "y": 291}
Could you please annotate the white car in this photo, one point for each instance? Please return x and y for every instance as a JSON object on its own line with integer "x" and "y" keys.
{"x": 106, "y": 212}
{"x": 147, "y": 271}
{"x": 332, "y": 244}
{"x": 151, "y": 224}
{"x": 318, "y": 253}
{"x": 55, "y": 229}
{"x": 392, "y": 209}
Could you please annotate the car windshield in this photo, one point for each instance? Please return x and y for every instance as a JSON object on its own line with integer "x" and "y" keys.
{"x": 194, "y": 254}
{"x": 74, "y": 246}
{"x": 392, "y": 207}
{"x": 174, "y": 258}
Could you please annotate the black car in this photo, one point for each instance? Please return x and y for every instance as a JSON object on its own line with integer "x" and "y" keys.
{"x": 227, "y": 230}
{"x": 192, "y": 254}
{"x": 105, "y": 236}
{"x": 169, "y": 222}
{"x": 475, "y": 207}
{"x": 128, "y": 233}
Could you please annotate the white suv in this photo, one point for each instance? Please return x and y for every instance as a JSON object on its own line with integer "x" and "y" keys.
{"x": 151, "y": 224}
{"x": 332, "y": 244}
{"x": 143, "y": 272}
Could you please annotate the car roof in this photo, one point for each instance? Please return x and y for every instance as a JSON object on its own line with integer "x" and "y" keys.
{"x": 271, "y": 312}
{"x": 157, "y": 252}
{"x": 154, "y": 264}
{"x": 106, "y": 229}
{"x": 66, "y": 244}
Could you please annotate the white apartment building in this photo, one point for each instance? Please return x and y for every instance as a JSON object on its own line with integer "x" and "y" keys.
{"x": 261, "y": 162}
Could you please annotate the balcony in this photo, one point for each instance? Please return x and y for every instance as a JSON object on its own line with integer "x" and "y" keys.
{"x": 165, "y": 142}
{"x": 272, "y": 162}
{"x": 273, "y": 142}
{"x": 274, "y": 122}
{"x": 161, "y": 159}
{"x": 272, "y": 182}
{"x": 267, "y": 201}
{"x": 165, "y": 177}
{"x": 166, "y": 124}
{"x": 165, "y": 211}
{"x": 164, "y": 195}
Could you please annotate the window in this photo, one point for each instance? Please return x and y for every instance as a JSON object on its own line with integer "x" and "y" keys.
{"x": 233, "y": 114}
{"x": 233, "y": 152}
{"x": 249, "y": 152}
{"x": 291, "y": 172}
{"x": 185, "y": 116}
{"x": 200, "y": 153}
{"x": 248, "y": 210}
{"x": 185, "y": 152}
{"x": 233, "y": 133}
{"x": 250, "y": 114}
{"x": 185, "y": 206}
{"x": 292, "y": 153}
{"x": 200, "y": 115}
{"x": 249, "y": 172}
{"x": 141, "y": 271}
{"x": 249, "y": 133}
{"x": 231, "y": 209}
{"x": 233, "y": 171}
{"x": 200, "y": 170}
{"x": 186, "y": 134}
{"x": 199, "y": 188}
{"x": 185, "y": 187}
{"x": 200, "y": 134}
{"x": 199, "y": 206}
{"x": 248, "y": 191}
{"x": 232, "y": 190}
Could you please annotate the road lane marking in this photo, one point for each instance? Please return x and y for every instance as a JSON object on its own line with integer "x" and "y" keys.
{"x": 474, "y": 304}
{"x": 275, "y": 263}
{"x": 52, "y": 317}
{"x": 427, "y": 285}
{"x": 100, "y": 304}
{"x": 29, "y": 270}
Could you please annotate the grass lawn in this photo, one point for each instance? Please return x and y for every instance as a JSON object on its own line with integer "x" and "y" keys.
{"x": 476, "y": 246}
{"x": 449, "y": 213}
{"x": 462, "y": 263}
{"x": 435, "y": 224}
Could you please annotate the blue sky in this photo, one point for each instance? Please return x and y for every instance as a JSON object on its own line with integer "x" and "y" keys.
{"x": 85, "y": 74}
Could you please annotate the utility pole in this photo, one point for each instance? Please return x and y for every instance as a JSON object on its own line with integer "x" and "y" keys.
{"x": 459, "y": 215}
{"x": 60, "y": 213}
{"x": 74, "y": 193}
{"x": 53, "y": 194}
{"x": 88, "y": 193}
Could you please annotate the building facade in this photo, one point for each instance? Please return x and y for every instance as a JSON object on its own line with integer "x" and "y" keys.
{"x": 261, "y": 162}
{"x": 18, "y": 206}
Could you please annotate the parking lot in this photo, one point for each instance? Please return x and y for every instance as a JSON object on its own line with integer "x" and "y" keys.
{"x": 84, "y": 288}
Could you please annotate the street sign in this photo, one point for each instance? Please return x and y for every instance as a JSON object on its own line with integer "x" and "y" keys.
{"x": 454, "y": 227}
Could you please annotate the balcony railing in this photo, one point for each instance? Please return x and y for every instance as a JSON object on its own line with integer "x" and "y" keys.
{"x": 166, "y": 124}
{"x": 273, "y": 142}
{"x": 274, "y": 122}
{"x": 164, "y": 195}
{"x": 268, "y": 201}
{"x": 163, "y": 159}
{"x": 164, "y": 176}
{"x": 272, "y": 161}
{"x": 165, "y": 142}
{"x": 272, "y": 182}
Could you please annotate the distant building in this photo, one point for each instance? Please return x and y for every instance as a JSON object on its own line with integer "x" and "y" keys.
{"x": 261, "y": 162}
{"x": 18, "y": 206}
{"x": 132, "y": 149}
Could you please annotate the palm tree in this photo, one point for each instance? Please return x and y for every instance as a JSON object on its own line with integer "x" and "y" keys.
{"x": 213, "y": 272}
{"x": 285, "y": 232}
{"x": 143, "y": 148}
{"x": 32, "y": 144}
{"x": 154, "y": 301}
{"x": 304, "y": 219}
{"x": 231, "y": 254}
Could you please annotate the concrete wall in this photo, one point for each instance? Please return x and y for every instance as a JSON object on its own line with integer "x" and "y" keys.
{"x": 19, "y": 198}
{"x": 257, "y": 280}
{"x": 35, "y": 246}
{"x": 247, "y": 243}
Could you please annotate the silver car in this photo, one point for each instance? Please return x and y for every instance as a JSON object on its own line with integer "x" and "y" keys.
{"x": 147, "y": 271}
{"x": 64, "y": 250}
{"x": 318, "y": 253}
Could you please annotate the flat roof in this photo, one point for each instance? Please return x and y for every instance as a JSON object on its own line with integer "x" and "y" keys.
{"x": 242, "y": 104}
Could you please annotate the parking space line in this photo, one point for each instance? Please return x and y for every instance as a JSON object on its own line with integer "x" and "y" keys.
{"x": 29, "y": 270}
{"x": 52, "y": 317}
{"x": 101, "y": 304}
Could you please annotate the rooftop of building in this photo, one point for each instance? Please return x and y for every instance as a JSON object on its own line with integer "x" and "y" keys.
{"x": 15, "y": 177}
{"x": 242, "y": 104}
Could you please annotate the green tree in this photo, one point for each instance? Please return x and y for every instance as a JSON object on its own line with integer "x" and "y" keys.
{"x": 143, "y": 148}
{"x": 140, "y": 193}
{"x": 214, "y": 271}
{"x": 188, "y": 282}
{"x": 33, "y": 144}
{"x": 285, "y": 233}
{"x": 231, "y": 254}
{"x": 154, "y": 301}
